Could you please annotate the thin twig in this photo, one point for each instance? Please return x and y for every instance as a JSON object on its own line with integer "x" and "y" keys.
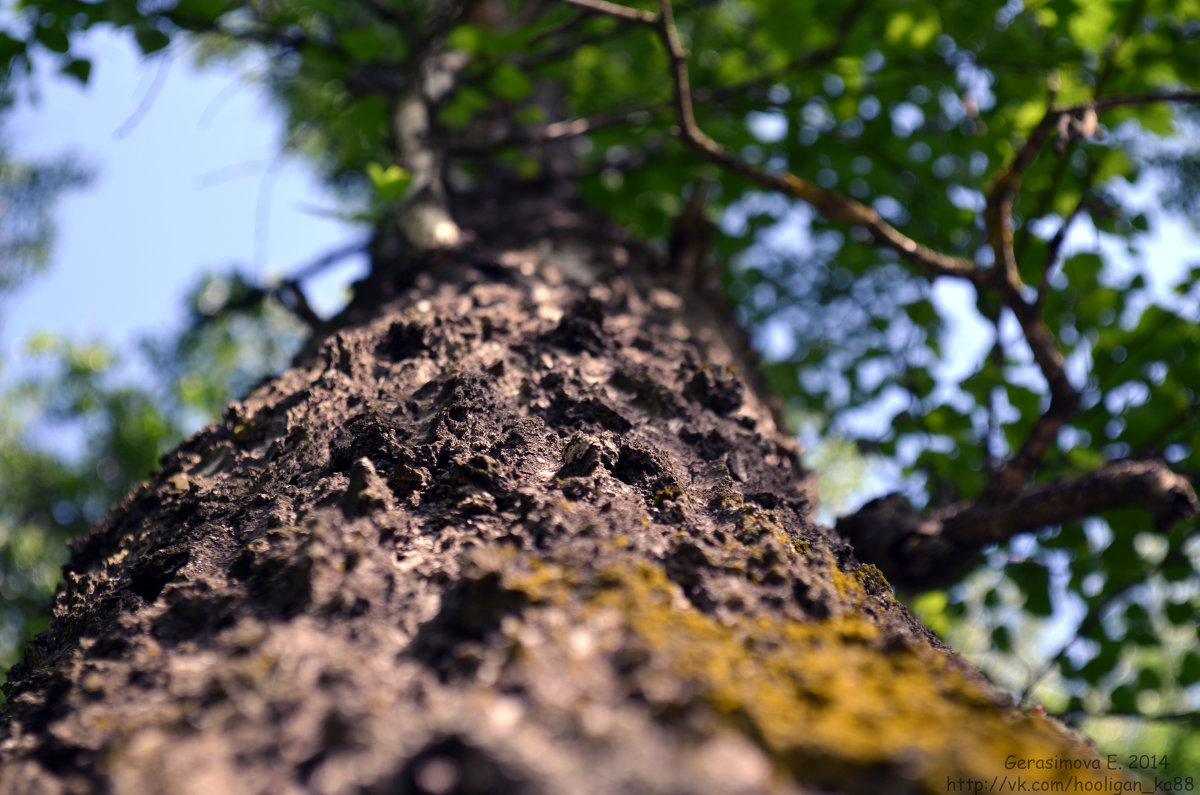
{"x": 559, "y": 131}
{"x": 584, "y": 125}
{"x": 566, "y": 26}
{"x": 292, "y": 296}
{"x": 1056, "y": 242}
{"x": 331, "y": 257}
{"x": 615, "y": 10}
{"x": 139, "y": 113}
{"x": 831, "y": 204}
{"x": 1192, "y": 718}
{"x": 1064, "y": 398}
{"x": 1124, "y": 100}
{"x": 1093, "y": 617}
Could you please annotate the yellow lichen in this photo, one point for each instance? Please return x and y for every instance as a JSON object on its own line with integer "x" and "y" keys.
{"x": 830, "y": 701}
{"x": 667, "y": 493}
{"x": 727, "y": 501}
{"x": 849, "y": 588}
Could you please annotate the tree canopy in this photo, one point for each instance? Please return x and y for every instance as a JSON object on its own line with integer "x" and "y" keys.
{"x": 853, "y": 155}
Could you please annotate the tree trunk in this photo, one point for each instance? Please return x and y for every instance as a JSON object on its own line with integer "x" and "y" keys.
{"x": 520, "y": 525}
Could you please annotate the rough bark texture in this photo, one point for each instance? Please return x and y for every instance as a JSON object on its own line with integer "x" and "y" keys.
{"x": 520, "y": 527}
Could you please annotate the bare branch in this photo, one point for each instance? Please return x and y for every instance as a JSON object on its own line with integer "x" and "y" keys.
{"x": 292, "y": 296}
{"x": 1149, "y": 485}
{"x": 833, "y": 205}
{"x": 1064, "y": 398}
{"x": 1056, "y": 242}
{"x": 139, "y": 113}
{"x": 615, "y": 10}
{"x": 920, "y": 552}
{"x": 559, "y": 131}
{"x": 328, "y": 259}
{"x": 829, "y": 203}
{"x": 1064, "y": 401}
{"x": 566, "y": 26}
{"x": 582, "y": 126}
{"x": 1188, "y": 718}
{"x": 998, "y": 212}
{"x": 1121, "y": 100}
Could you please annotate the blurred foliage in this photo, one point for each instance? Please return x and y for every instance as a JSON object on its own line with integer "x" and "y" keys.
{"x": 910, "y": 106}
{"x": 79, "y": 427}
{"x": 28, "y": 191}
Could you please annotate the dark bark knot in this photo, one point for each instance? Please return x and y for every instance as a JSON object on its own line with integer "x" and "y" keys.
{"x": 581, "y": 328}
{"x": 717, "y": 388}
{"x": 403, "y": 341}
{"x": 584, "y": 453}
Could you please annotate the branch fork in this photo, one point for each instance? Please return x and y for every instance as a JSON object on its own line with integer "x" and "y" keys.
{"x": 947, "y": 539}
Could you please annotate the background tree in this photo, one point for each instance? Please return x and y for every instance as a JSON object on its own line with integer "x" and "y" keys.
{"x": 1025, "y": 118}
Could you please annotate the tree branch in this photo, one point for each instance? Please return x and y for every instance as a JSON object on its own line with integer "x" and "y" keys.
{"x": 291, "y": 293}
{"x": 1064, "y": 398}
{"x": 557, "y": 131}
{"x": 1055, "y": 244}
{"x": 921, "y": 552}
{"x": 573, "y": 128}
{"x": 292, "y": 296}
{"x": 615, "y": 10}
{"x": 829, "y": 203}
{"x": 1188, "y": 718}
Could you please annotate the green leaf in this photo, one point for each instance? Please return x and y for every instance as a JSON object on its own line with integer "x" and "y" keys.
{"x": 78, "y": 68}
{"x": 510, "y": 83}
{"x": 463, "y": 106}
{"x": 1149, "y": 679}
{"x": 201, "y": 10}
{"x": 151, "y": 40}
{"x": 1124, "y": 698}
{"x": 10, "y": 48}
{"x": 364, "y": 44}
{"x": 390, "y": 182}
{"x": 1102, "y": 663}
{"x": 1180, "y": 613}
{"x": 1189, "y": 669}
{"x": 53, "y": 39}
{"x": 467, "y": 38}
{"x": 1034, "y": 580}
{"x": 917, "y": 32}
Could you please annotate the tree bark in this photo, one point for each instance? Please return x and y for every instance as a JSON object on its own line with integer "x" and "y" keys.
{"x": 522, "y": 524}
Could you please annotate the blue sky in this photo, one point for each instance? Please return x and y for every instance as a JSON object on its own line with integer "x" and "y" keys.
{"x": 181, "y": 160}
